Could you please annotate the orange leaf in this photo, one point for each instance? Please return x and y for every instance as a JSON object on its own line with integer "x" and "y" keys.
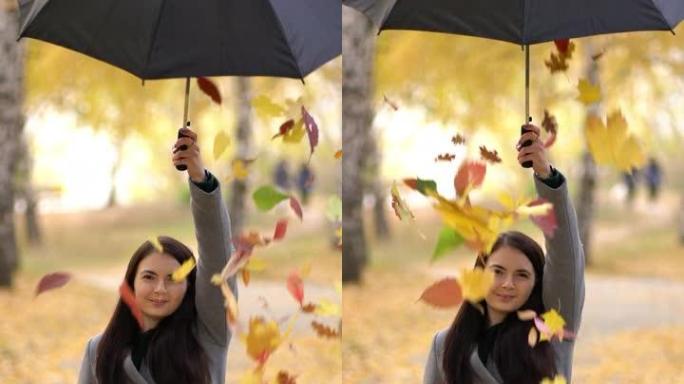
{"x": 470, "y": 175}
{"x": 285, "y": 378}
{"x": 245, "y": 276}
{"x": 324, "y": 331}
{"x": 128, "y": 298}
{"x": 52, "y": 281}
{"x": 210, "y": 89}
{"x": 491, "y": 156}
{"x": 296, "y": 287}
{"x": 296, "y": 207}
{"x": 280, "y": 230}
{"x": 551, "y": 127}
{"x": 445, "y": 293}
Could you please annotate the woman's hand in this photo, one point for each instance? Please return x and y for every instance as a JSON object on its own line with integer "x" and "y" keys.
{"x": 535, "y": 152}
{"x": 190, "y": 156}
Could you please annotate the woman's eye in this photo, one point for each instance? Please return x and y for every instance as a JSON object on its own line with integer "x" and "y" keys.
{"x": 498, "y": 272}
{"x": 147, "y": 277}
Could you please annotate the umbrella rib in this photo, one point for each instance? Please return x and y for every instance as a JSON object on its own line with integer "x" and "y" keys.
{"x": 662, "y": 16}
{"x": 282, "y": 32}
{"x": 152, "y": 40}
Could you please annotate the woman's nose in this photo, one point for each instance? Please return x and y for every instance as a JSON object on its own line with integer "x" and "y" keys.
{"x": 508, "y": 282}
{"x": 160, "y": 286}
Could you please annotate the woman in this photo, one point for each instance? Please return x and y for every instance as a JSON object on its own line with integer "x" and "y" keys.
{"x": 184, "y": 337}
{"x": 492, "y": 347}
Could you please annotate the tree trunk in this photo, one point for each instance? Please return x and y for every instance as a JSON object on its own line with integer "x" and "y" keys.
{"x": 24, "y": 187}
{"x": 357, "y": 114}
{"x": 11, "y": 98}
{"x": 243, "y": 142}
{"x": 587, "y": 189}
{"x": 373, "y": 182}
{"x": 112, "y": 201}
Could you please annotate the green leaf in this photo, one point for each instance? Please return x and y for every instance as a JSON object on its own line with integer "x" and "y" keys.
{"x": 421, "y": 185}
{"x": 448, "y": 240}
{"x": 268, "y": 197}
{"x": 333, "y": 209}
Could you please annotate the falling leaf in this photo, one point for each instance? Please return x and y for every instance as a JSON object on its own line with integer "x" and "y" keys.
{"x": 559, "y": 379}
{"x": 532, "y": 337}
{"x": 296, "y": 134}
{"x": 557, "y": 63}
{"x": 448, "y": 239}
{"x": 338, "y": 154}
{"x": 420, "y": 185}
{"x": 323, "y": 330}
{"x": 597, "y": 56}
{"x": 445, "y": 157}
{"x": 280, "y": 230}
{"x": 255, "y": 264}
{"x": 262, "y": 339}
{"x": 156, "y": 244}
{"x": 285, "y": 378}
{"x": 491, "y": 156}
{"x": 296, "y": 208}
{"x": 230, "y": 304}
{"x": 311, "y": 129}
{"x": 182, "y": 272}
{"x": 265, "y": 108}
{"x": 246, "y": 275}
{"x": 239, "y": 169}
{"x": 551, "y": 127}
{"x": 295, "y": 286}
{"x": 562, "y": 45}
{"x": 392, "y": 104}
{"x": 308, "y": 308}
{"x": 267, "y": 197}
{"x": 52, "y": 281}
{"x": 470, "y": 175}
{"x": 458, "y": 139}
{"x": 210, "y": 89}
{"x": 553, "y": 321}
{"x": 284, "y": 128}
{"x": 333, "y": 209}
{"x": 612, "y": 144}
{"x": 327, "y": 308}
{"x": 445, "y": 293}
{"x": 400, "y": 207}
{"x": 588, "y": 93}
{"x": 221, "y": 142}
{"x": 253, "y": 377}
{"x": 475, "y": 283}
{"x": 545, "y": 219}
{"x": 128, "y": 298}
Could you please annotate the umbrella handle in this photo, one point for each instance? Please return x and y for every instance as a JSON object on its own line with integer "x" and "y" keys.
{"x": 186, "y": 123}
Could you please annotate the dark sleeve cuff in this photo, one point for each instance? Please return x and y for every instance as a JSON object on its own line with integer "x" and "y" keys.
{"x": 209, "y": 184}
{"x": 555, "y": 180}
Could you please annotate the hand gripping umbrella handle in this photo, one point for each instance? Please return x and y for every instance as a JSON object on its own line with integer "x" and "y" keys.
{"x": 523, "y": 130}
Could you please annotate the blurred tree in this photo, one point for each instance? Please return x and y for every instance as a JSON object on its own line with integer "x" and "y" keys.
{"x": 244, "y": 138}
{"x": 11, "y": 127}
{"x": 25, "y": 190}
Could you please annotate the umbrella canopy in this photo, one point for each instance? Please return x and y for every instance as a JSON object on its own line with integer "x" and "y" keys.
{"x": 523, "y": 21}
{"x": 156, "y": 39}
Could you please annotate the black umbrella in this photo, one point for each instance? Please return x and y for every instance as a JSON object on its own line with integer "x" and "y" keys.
{"x": 523, "y": 22}
{"x": 158, "y": 39}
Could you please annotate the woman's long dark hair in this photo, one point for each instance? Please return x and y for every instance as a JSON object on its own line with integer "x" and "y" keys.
{"x": 515, "y": 360}
{"x": 174, "y": 355}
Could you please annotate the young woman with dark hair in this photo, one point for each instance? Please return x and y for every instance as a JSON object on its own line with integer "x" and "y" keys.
{"x": 492, "y": 347}
{"x": 184, "y": 337}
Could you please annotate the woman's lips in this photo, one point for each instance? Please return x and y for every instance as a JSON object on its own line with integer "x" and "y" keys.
{"x": 158, "y": 303}
{"x": 504, "y": 297}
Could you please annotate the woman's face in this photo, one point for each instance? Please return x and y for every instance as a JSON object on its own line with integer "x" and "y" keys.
{"x": 513, "y": 282}
{"x": 156, "y": 294}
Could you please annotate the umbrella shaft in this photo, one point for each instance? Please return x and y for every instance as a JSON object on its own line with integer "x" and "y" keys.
{"x": 187, "y": 99}
{"x": 527, "y": 84}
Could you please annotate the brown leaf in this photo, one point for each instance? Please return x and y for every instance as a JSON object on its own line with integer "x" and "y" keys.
{"x": 308, "y": 308}
{"x": 597, "y": 56}
{"x": 491, "y": 156}
{"x": 392, "y": 104}
{"x": 458, "y": 139}
{"x": 284, "y": 128}
{"x": 285, "y": 378}
{"x": 245, "y": 276}
{"x": 210, "y": 89}
{"x": 445, "y": 293}
{"x": 52, "y": 281}
{"x": 550, "y": 126}
{"x": 323, "y": 330}
{"x": 445, "y": 157}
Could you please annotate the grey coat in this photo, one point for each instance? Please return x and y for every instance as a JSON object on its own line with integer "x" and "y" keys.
{"x": 212, "y": 228}
{"x": 563, "y": 287}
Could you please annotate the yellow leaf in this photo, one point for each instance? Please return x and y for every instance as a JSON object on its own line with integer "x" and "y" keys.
{"x": 221, "y": 142}
{"x": 156, "y": 244}
{"x": 553, "y": 321}
{"x": 253, "y": 377}
{"x": 239, "y": 169}
{"x": 182, "y": 272}
{"x": 305, "y": 270}
{"x": 612, "y": 144}
{"x": 588, "y": 93}
{"x": 265, "y": 108}
{"x": 327, "y": 308}
{"x": 262, "y": 339}
{"x": 296, "y": 134}
{"x": 255, "y": 264}
{"x": 559, "y": 379}
{"x": 230, "y": 304}
{"x": 536, "y": 210}
{"x": 475, "y": 283}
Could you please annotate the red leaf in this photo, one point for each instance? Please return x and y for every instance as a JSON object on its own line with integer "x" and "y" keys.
{"x": 210, "y": 89}
{"x": 445, "y": 293}
{"x": 52, "y": 281}
{"x": 284, "y": 128}
{"x": 129, "y": 299}
{"x": 311, "y": 129}
{"x": 296, "y": 207}
{"x": 471, "y": 173}
{"x": 562, "y": 45}
{"x": 547, "y": 223}
{"x": 280, "y": 230}
{"x": 296, "y": 287}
